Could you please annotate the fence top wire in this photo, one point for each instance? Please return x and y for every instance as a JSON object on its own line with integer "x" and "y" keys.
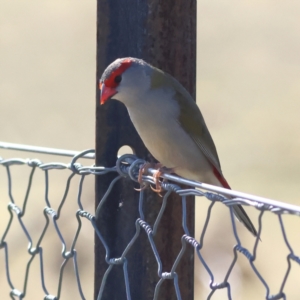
{"x": 128, "y": 166}
{"x": 43, "y": 150}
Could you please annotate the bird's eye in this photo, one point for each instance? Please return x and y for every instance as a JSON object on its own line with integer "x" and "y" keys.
{"x": 118, "y": 79}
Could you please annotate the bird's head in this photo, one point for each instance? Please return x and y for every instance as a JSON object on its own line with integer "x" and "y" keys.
{"x": 126, "y": 79}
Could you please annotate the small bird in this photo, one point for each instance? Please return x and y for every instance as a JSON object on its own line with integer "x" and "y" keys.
{"x": 168, "y": 121}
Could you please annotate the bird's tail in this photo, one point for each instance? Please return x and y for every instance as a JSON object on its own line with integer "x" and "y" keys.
{"x": 243, "y": 217}
{"x": 237, "y": 209}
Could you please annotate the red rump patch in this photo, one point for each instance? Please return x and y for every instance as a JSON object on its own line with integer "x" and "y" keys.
{"x": 125, "y": 64}
{"x": 221, "y": 179}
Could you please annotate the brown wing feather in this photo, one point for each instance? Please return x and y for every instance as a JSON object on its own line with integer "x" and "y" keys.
{"x": 193, "y": 122}
{"x": 190, "y": 117}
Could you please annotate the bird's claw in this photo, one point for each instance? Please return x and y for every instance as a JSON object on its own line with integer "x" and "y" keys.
{"x": 141, "y": 188}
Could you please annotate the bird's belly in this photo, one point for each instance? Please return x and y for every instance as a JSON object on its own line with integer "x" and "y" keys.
{"x": 174, "y": 148}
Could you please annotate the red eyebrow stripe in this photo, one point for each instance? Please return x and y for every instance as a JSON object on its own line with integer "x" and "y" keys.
{"x": 125, "y": 64}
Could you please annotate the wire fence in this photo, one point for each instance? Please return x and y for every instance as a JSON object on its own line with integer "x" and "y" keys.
{"x": 128, "y": 166}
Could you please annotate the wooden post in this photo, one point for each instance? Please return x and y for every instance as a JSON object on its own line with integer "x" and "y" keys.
{"x": 162, "y": 33}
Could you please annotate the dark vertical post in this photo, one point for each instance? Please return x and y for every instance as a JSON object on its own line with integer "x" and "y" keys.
{"x": 164, "y": 34}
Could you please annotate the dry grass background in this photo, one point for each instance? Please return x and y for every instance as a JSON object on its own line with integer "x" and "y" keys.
{"x": 248, "y": 90}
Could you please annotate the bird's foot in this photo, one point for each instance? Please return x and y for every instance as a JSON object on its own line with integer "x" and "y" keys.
{"x": 143, "y": 170}
{"x": 161, "y": 169}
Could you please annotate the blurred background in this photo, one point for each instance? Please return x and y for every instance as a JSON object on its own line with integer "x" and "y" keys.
{"x": 248, "y": 88}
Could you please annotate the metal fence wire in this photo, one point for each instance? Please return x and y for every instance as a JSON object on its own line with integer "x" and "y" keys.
{"x": 128, "y": 166}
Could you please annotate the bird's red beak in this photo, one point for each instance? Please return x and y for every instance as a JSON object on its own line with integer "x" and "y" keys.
{"x": 106, "y": 92}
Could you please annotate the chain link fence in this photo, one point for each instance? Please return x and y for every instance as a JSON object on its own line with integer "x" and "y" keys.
{"x": 127, "y": 168}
